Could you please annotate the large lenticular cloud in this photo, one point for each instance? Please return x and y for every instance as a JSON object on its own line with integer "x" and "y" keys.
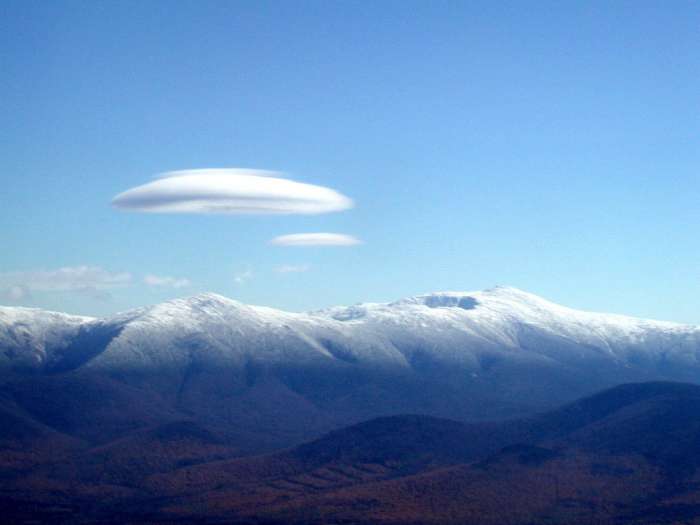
{"x": 233, "y": 191}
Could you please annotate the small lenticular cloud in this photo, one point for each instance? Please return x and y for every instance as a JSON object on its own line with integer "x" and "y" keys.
{"x": 230, "y": 191}
{"x": 315, "y": 239}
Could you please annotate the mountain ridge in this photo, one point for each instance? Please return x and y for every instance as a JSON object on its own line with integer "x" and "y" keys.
{"x": 503, "y": 291}
{"x": 483, "y": 313}
{"x": 267, "y": 378}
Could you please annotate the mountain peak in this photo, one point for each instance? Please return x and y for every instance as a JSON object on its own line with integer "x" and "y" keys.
{"x": 511, "y": 292}
{"x": 203, "y": 304}
{"x": 205, "y": 300}
{"x": 464, "y": 300}
{"x": 209, "y": 297}
{"x": 470, "y": 300}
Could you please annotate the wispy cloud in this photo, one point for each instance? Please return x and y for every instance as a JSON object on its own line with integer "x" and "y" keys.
{"x": 243, "y": 277}
{"x": 158, "y": 281}
{"x": 292, "y": 268}
{"x": 14, "y": 293}
{"x": 315, "y": 239}
{"x": 233, "y": 191}
{"x": 91, "y": 280}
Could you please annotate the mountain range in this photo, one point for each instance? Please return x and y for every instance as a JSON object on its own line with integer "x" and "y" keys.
{"x": 485, "y": 407}
{"x": 267, "y": 379}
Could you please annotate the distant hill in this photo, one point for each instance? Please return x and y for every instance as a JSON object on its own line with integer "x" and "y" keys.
{"x": 629, "y": 454}
{"x": 626, "y": 455}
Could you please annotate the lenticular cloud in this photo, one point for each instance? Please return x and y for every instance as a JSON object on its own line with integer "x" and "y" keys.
{"x": 233, "y": 191}
{"x": 315, "y": 239}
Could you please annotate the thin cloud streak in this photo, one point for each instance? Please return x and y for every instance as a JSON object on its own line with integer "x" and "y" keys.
{"x": 15, "y": 293}
{"x": 315, "y": 239}
{"x": 158, "y": 281}
{"x": 90, "y": 280}
{"x": 243, "y": 277}
{"x": 292, "y": 268}
{"x": 230, "y": 191}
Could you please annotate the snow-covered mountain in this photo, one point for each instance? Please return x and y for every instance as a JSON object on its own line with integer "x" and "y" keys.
{"x": 455, "y": 328}
{"x": 494, "y": 353}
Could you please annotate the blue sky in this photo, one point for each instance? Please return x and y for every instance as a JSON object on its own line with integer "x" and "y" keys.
{"x": 549, "y": 146}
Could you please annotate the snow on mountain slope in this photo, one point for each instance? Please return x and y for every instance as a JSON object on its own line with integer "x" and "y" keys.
{"x": 209, "y": 327}
{"x": 507, "y": 319}
{"x": 28, "y": 336}
{"x": 471, "y": 330}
